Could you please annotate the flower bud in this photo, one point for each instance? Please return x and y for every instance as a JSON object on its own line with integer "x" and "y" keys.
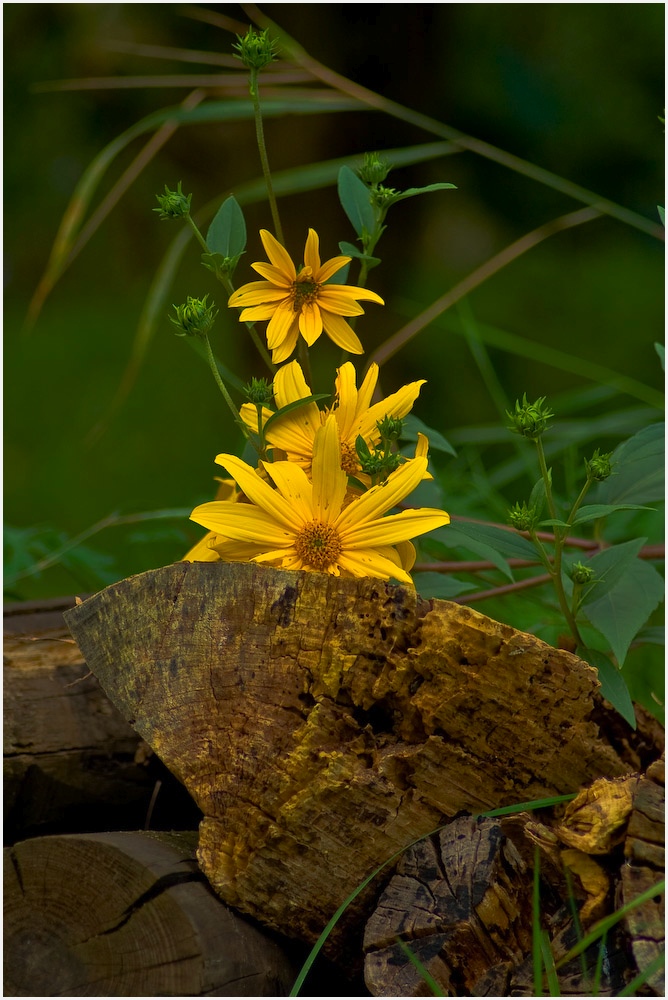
{"x": 374, "y": 169}
{"x": 581, "y": 574}
{"x": 194, "y": 318}
{"x": 256, "y": 49}
{"x": 522, "y": 517}
{"x": 173, "y": 204}
{"x": 599, "y": 467}
{"x": 530, "y": 419}
{"x": 390, "y": 428}
{"x": 259, "y": 391}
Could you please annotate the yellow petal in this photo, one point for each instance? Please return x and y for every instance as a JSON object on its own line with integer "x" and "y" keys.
{"x": 346, "y": 410}
{"x": 330, "y": 267}
{"x": 243, "y": 522}
{"x": 278, "y": 255}
{"x": 341, "y": 333}
{"x": 292, "y": 483}
{"x": 236, "y": 298}
{"x": 355, "y": 292}
{"x": 274, "y": 275}
{"x": 407, "y": 554}
{"x": 310, "y": 322}
{"x": 258, "y": 492}
{"x": 329, "y": 480}
{"x": 367, "y": 388}
{"x": 394, "y": 528}
{"x": 202, "y": 551}
{"x": 283, "y": 351}
{"x": 281, "y": 324}
{"x": 254, "y": 313}
{"x": 397, "y": 405}
{"x": 379, "y": 499}
{"x": 368, "y": 562}
{"x": 336, "y": 302}
{"x": 290, "y": 384}
{"x": 311, "y": 252}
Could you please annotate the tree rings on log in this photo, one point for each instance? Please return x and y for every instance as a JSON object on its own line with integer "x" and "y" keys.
{"x": 127, "y": 914}
{"x": 322, "y": 724}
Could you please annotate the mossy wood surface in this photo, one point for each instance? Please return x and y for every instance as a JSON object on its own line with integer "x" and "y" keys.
{"x": 127, "y": 914}
{"x": 322, "y": 724}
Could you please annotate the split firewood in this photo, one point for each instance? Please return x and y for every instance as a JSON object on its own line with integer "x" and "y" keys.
{"x": 127, "y": 914}
{"x": 71, "y": 761}
{"x": 460, "y": 908}
{"x": 323, "y": 724}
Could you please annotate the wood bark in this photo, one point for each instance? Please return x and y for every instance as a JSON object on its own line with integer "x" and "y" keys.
{"x": 71, "y": 761}
{"x": 127, "y": 914}
{"x": 322, "y": 724}
{"x": 461, "y": 901}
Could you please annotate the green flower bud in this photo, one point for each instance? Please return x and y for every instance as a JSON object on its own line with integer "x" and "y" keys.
{"x": 530, "y": 419}
{"x": 382, "y": 197}
{"x": 599, "y": 467}
{"x": 377, "y": 464}
{"x": 256, "y": 49}
{"x": 390, "y": 429}
{"x": 222, "y": 267}
{"x": 194, "y": 318}
{"x": 581, "y": 574}
{"x": 374, "y": 169}
{"x": 173, "y": 204}
{"x": 259, "y": 391}
{"x": 522, "y": 517}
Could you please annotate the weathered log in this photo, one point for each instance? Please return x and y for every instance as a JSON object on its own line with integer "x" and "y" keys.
{"x": 322, "y": 724}
{"x": 71, "y": 762}
{"x": 461, "y": 901}
{"x": 127, "y": 914}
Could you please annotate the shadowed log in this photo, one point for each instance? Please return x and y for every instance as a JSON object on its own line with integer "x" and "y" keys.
{"x": 322, "y": 724}
{"x": 127, "y": 914}
{"x": 71, "y": 761}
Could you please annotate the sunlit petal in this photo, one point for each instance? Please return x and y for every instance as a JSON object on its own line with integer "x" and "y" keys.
{"x": 242, "y": 522}
{"x": 367, "y": 562}
{"x": 238, "y": 298}
{"x": 346, "y": 410}
{"x": 335, "y": 302}
{"x": 341, "y": 333}
{"x": 379, "y": 499}
{"x": 310, "y": 322}
{"x": 258, "y": 492}
{"x": 293, "y": 484}
{"x": 275, "y": 276}
{"x": 407, "y": 554}
{"x": 353, "y": 291}
{"x": 330, "y": 267}
{"x": 329, "y": 480}
{"x": 283, "y": 351}
{"x": 312, "y": 252}
{"x": 278, "y": 255}
{"x": 397, "y": 405}
{"x": 280, "y": 325}
{"x": 202, "y": 550}
{"x": 367, "y": 388}
{"x": 394, "y": 528}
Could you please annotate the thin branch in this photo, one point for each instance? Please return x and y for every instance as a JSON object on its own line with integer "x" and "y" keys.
{"x": 508, "y": 588}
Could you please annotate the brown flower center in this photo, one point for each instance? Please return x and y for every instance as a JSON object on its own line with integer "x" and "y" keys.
{"x": 318, "y": 544}
{"x": 304, "y": 290}
{"x": 349, "y": 460}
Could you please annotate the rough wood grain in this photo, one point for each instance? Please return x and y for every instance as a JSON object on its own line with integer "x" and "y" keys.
{"x": 71, "y": 762}
{"x": 322, "y": 724}
{"x": 127, "y": 914}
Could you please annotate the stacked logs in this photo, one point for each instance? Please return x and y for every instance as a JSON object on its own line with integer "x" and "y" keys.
{"x": 320, "y": 726}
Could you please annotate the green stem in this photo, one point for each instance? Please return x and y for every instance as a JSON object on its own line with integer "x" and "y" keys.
{"x": 578, "y": 502}
{"x": 200, "y": 239}
{"x": 221, "y": 385}
{"x": 261, "y": 145}
{"x": 255, "y": 337}
{"x": 559, "y": 535}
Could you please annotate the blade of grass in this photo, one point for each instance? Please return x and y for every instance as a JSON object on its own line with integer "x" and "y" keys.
{"x": 598, "y": 971}
{"x": 422, "y": 970}
{"x": 601, "y": 205}
{"x": 548, "y": 961}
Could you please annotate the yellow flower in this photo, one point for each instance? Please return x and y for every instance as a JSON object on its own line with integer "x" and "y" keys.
{"x": 307, "y": 525}
{"x": 301, "y": 302}
{"x": 295, "y": 432}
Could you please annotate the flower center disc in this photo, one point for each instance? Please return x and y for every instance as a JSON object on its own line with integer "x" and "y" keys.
{"x": 304, "y": 293}
{"x": 349, "y": 460}
{"x": 318, "y": 544}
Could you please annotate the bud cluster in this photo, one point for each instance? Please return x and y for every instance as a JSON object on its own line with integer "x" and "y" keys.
{"x": 599, "y": 467}
{"x": 382, "y": 460}
{"x": 173, "y": 204}
{"x": 581, "y": 574}
{"x": 256, "y": 49}
{"x": 194, "y": 318}
{"x": 259, "y": 391}
{"x": 522, "y": 517}
{"x": 530, "y": 419}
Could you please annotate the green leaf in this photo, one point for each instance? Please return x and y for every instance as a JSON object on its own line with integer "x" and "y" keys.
{"x": 637, "y": 469}
{"x": 662, "y": 214}
{"x": 592, "y": 512}
{"x": 294, "y": 405}
{"x": 411, "y": 192}
{"x": 412, "y": 425}
{"x": 441, "y": 585}
{"x": 537, "y": 497}
{"x": 355, "y": 199}
{"x": 610, "y": 564}
{"x": 613, "y": 686}
{"x": 622, "y": 611}
{"x": 227, "y": 233}
{"x": 488, "y": 542}
{"x": 661, "y": 351}
{"x": 352, "y": 251}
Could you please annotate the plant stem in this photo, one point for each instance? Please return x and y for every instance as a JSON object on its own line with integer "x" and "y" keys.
{"x": 221, "y": 385}
{"x": 262, "y": 147}
{"x": 193, "y": 225}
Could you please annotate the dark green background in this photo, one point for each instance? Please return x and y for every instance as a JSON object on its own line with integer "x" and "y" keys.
{"x": 575, "y": 88}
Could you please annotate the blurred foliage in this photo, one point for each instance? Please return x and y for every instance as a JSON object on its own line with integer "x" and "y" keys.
{"x": 576, "y": 89}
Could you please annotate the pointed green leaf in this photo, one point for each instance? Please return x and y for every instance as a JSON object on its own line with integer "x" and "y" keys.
{"x": 613, "y": 686}
{"x": 661, "y": 351}
{"x": 227, "y": 233}
{"x": 609, "y": 566}
{"x": 441, "y": 585}
{"x": 507, "y": 542}
{"x": 623, "y": 610}
{"x": 537, "y": 497}
{"x": 592, "y": 512}
{"x": 412, "y": 425}
{"x": 662, "y": 214}
{"x": 294, "y": 405}
{"x": 352, "y": 251}
{"x": 355, "y": 199}
{"x": 637, "y": 469}
{"x": 411, "y": 192}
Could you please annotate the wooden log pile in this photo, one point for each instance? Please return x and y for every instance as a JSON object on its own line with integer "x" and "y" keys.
{"x": 321, "y": 726}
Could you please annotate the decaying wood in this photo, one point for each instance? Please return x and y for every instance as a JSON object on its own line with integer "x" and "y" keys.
{"x": 127, "y": 914}
{"x": 71, "y": 761}
{"x": 461, "y": 900}
{"x": 323, "y": 724}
